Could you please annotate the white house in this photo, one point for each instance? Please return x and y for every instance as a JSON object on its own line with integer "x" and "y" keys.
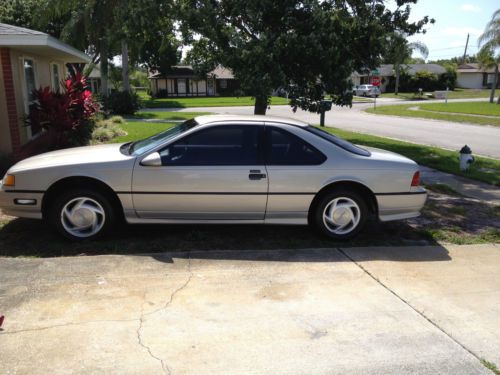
{"x": 471, "y": 76}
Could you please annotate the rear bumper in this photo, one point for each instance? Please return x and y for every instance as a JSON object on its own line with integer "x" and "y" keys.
{"x": 397, "y": 206}
{"x": 21, "y": 203}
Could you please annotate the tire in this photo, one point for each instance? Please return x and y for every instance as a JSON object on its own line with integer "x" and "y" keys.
{"x": 82, "y": 214}
{"x": 350, "y": 215}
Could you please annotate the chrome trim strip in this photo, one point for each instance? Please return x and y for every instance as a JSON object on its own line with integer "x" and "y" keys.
{"x": 406, "y": 193}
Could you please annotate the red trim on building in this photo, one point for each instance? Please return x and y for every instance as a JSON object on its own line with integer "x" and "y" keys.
{"x": 15, "y": 137}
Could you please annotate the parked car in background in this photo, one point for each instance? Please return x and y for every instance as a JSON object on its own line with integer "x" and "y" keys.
{"x": 216, "y": 169}
{"x": 367, "y": 90}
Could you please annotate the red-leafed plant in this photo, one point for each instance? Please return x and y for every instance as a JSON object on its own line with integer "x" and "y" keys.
{"x": 66, "y": 116}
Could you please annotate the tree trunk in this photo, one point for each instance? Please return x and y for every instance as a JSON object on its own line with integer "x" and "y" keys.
{"x": 126, "y": 82}
{"x": 396, "y": 85}
{"x": 260, "y": 105}
{"x": 103, "y": 52}
{"x": 494, "y": 86}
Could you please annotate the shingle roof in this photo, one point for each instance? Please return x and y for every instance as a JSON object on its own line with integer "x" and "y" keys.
{"x": 187, "y": 71}
{"x": 222, "y": 73}
{"x": 6, "y": 29}
{"x": 473, "y": 68}
{"x": 388, "y": 69}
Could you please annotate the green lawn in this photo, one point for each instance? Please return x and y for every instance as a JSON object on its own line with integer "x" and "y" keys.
{"x": 166, "y": 115}
{"x": 403, "y": 110}
{"x": 484, "y": 169}
{"x": 476, "y": 108}
{"x": 217, "y": 101}
{"x": 455, "y": 94}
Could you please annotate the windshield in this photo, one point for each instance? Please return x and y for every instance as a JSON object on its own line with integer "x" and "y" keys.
{"x": 142, "y": 146}
{"x": 342, "y": 143}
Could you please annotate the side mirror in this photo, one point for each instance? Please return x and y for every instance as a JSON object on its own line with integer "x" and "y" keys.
{"x": 152, "y": 160}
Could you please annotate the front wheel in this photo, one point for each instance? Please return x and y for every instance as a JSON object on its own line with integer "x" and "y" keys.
{"x": 341, "y": 214}
{"x": 82, "y": 214}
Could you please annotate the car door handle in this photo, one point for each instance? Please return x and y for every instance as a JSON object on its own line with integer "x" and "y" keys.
{"x": 256, "y": 175}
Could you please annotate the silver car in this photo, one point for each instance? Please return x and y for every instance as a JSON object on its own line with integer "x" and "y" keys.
{"x": 216, "y": 169}
{"x": 367, "y": 90}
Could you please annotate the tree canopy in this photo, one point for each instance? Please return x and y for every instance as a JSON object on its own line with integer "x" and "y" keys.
{"x": 275, "y": 43}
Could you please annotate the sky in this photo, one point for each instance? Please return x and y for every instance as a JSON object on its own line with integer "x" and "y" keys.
{"x": 454, "y": 19}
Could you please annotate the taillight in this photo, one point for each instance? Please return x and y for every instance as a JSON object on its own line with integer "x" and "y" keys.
{"x": 415, "y": 181}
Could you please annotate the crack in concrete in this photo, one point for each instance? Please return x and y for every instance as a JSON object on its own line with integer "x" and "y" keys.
{"x": 164, "y": 365}
{"x": 407, "y": 303}
{"x": 68, "y": 324}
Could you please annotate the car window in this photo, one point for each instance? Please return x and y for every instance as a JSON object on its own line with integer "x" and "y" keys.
{"x": 342, "y": 143}
{"x": 285, "y": 148}
{"x": 218, "y": 145}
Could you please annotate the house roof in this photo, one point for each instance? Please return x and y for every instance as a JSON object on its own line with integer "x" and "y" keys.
{"x": 386, "y": 70}
{"x": 187, "y": 71}
{"x": 473, "y": 68}
{"x": 36, "y": 42}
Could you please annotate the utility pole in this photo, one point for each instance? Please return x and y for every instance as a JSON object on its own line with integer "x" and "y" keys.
{"x": 465, "y": 51}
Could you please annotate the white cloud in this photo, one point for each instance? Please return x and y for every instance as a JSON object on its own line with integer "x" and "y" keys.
{"x": 470, "y": 8}
{"x": 462, "y": 31}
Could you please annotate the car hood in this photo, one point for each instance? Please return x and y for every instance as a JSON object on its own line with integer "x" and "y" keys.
{"x": 383, "y": 155}
{"x": 72, "y": 156}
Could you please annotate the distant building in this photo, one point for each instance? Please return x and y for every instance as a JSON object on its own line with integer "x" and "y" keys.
{"x": 386, "y": 71}
{"x": 181, "y": 81}
{"x": 471, "y": 76}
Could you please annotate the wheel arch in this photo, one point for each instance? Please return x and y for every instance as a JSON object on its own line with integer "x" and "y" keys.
{"x": 81, "y": 182}
{"x": 353, "y": 185}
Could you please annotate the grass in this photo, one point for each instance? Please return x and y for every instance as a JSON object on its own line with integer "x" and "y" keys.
{"x": 483, "y": 169}
{"x": 166, "y": 115}
{"x": 490, "y": 366}
{"x": 214, "y": 101}
{"x": 475, "y": 108}
{"x": 404, "y": 111}
{"x": 442, "y": 188}
{"x": 455, "y": 94}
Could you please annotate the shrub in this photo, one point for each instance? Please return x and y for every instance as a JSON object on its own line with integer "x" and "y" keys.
{"x": 66, "y": 116}
{"x": 122, "y": 103}
{"x": 106, "y": 130}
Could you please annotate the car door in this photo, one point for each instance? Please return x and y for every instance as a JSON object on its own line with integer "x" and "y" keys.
{"x": 215, "y": 173}
{"x": 295, "y": 175}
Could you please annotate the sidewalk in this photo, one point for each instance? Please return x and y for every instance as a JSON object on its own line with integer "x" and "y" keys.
{"x": 470, "y": 188}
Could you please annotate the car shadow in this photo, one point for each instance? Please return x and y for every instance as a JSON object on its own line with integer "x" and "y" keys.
{"x": 32, "y": 238}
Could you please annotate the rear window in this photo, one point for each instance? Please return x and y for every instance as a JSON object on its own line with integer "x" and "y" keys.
{"x": 337, "y": 141}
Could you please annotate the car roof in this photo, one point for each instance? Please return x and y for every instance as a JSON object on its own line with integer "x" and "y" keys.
{"x": 208, "y": 119}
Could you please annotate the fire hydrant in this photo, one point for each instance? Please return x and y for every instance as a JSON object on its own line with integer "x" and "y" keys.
{"x": 466, "y": 158}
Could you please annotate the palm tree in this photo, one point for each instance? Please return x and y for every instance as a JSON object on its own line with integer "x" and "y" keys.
{"x": 399, "y": 50}
{"x": 490, "y": 41}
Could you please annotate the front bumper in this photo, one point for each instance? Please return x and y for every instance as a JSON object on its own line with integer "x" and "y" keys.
{"x": 21, "y": 203}
{"x": 397, "y": 206}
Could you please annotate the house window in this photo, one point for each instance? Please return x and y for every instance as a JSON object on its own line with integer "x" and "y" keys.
{"x": 223, "y": 84}
{"x": 56, "y": 77}
{"x": 30, "y": 81}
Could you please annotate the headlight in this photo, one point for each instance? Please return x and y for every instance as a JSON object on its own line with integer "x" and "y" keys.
{"x": 9, "y": 180}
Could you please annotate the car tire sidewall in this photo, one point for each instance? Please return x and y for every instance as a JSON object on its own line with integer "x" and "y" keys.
{"x": 64, "y": 198}
{"x": 326, "y": 199}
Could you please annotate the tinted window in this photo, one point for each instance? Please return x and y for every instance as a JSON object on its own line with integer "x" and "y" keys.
{"x": 220, "y": 145}
{"x": 284, "y": 148}
{"x": 342, "y": 143}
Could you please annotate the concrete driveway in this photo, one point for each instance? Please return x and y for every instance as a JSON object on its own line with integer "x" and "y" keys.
{"x": 380, "y": 310}
{"x": 483, "y": 140}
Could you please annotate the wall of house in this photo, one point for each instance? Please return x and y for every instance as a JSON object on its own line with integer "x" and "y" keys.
{"x": 5, "y": 146}
{"x": 43, "y": 78}
{"x": 470, "y": 80}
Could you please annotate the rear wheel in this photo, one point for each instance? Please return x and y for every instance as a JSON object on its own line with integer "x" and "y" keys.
{"x": 341, "y": 214}
{"x": 82, "y": 214}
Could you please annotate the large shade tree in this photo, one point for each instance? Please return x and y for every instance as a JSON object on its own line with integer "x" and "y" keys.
{"x": 489, "y": 56}
{"x": 311, "y": 45}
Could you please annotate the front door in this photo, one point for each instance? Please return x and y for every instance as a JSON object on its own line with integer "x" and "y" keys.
{"x": 216, "y": 173}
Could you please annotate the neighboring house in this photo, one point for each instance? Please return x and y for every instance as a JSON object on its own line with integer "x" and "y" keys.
{"x": 29, "y": 60}
{"x": 94, "y": 80}
{"x": 386, "y": 71}
{"x": 181, "y": 81}
{"x": 471, "y": 76}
